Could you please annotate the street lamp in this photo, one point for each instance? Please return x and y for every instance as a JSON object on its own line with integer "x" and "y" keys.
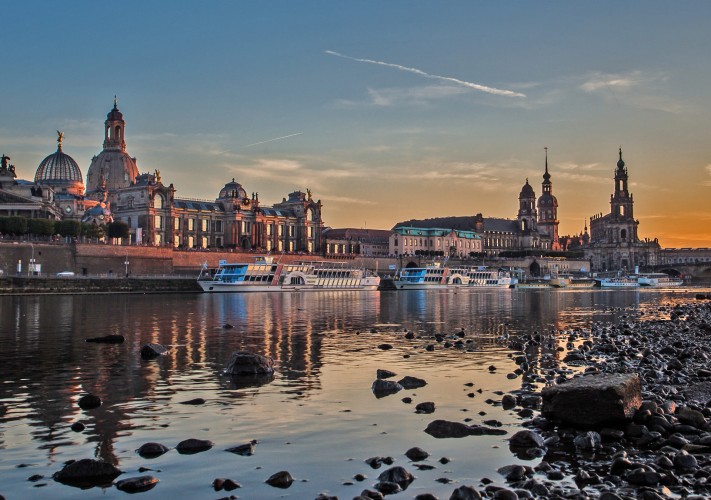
{"x": 31, "y": 267}
{"x": 126, "y": 264}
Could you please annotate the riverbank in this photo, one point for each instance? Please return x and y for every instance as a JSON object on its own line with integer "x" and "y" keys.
{"x": 32, "y": 285}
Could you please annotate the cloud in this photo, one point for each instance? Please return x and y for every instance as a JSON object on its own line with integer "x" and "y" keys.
{"x": 605, "y": 81}
{"x": 636, "y": 88}
{"x": 570, "y": 166}
{"x": 347, "y": 200}
{"x": 708, "y": 171}
{"x": 419, "y": 72}
{"x": 418, "y": 95}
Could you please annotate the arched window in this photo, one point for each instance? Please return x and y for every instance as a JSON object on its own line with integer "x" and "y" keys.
{"x": 157, "y": 201}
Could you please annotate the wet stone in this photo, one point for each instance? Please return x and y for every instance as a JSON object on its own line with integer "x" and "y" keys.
{"x": 281, "y": 479}
{"x": 416, "y": 454}
{"x": 89, "y": 402}
{"x": 137, "y": 484}
{"x": 382, "y": 374}
{"x": 412, "y": 382}
{"x": 152, "y": 351}
{"x": 465, "y": 493}
{"x": 382, "y": 388}
{"x": 426, "y": 407}
{"x": 247, "y": 363}
{"x": 87, "y": 472}
{"x": 151, "y": 450}
{"x": 191, "y": 446}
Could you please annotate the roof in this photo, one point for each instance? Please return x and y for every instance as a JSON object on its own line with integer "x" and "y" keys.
{"x": 349, "y": 233}
{"x": 466, "y": 223}
{"x": 435, "y": 232}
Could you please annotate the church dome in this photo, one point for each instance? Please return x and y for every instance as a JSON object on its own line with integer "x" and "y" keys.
{"x": 547, "y": 200}
{"x": 60, "y": 170}
{"x": 527, "y": 191}
{"x": 114, "y": 114}
{"x": 233, "y": 190}
{"x": 118, "y": 169}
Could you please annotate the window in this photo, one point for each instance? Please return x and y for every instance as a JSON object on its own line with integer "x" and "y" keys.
{"x": 130, "y": 202}
{"x": 191, "y": 242}
{"x": 218, "y": 226}
{"x": 176, "y": 223}
{"x": 158, "y": 221}
{"x": 191, "y": 226}
{"x": 157, "y": 201}
{"x": 204, "y": 223}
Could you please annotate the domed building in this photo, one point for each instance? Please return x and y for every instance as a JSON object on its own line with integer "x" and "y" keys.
{"x": 113, "y": 165}
{"x": 60, "y": 171}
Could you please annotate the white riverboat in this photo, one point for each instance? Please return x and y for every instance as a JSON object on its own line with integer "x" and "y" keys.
{"x": 487, "y": 277}
{"x": 618, "y": 282}
{"x": 426, "y": 278}
{"x": 658, "y": 280}
{"x": 265, "y": 275}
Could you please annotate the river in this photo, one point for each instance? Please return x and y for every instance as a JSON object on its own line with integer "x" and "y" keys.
{"x": 317, "y": 418}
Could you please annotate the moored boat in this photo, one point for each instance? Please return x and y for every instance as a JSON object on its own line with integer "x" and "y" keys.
{"x": 618, "y": 282}
{"x": 265, "y": 275}
{"x": 426, "y": 278}
{"x": 486, "y": 277}
{"x": 658, "y": 280}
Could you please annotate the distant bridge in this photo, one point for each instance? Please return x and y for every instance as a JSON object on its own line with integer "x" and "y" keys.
{"x": 692, "y": 270}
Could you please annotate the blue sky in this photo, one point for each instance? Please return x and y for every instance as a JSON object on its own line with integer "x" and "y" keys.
{"x": 385, "y": 110}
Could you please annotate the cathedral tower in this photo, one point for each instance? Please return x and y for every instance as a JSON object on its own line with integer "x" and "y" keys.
{"x": 548, "y": 210}
{"x": 113, "y": 165}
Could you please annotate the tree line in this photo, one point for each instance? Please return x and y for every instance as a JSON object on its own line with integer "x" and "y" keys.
{"x": 21, "y": 226}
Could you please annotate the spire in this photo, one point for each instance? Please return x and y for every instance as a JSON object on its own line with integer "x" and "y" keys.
{"x": 60, "y": 138}
{"x": 621, "y": 162}
{"x": 546, "y": 148}
{"x": 115, "y": 102}
{"x": 546, "y": 175}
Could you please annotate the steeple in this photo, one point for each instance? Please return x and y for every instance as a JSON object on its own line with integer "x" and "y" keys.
{"x": 546, "y": 175}
{"x": 114, "y": 129}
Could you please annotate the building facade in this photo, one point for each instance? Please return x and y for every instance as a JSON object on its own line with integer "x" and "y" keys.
{"x": 352, "y": 241}
{"x": 614, "y": 244}
{"x": 434, "y": 241}
{"x": 115, "y": 190}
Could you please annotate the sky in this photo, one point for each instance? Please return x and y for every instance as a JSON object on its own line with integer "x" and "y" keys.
{"x": 386, "y": 111}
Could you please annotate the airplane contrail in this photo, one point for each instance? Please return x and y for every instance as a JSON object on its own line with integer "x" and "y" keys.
{"x": 475, "y": 86}
{"x": 272, "y": 140}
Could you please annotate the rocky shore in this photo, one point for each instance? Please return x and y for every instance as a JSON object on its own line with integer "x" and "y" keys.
{"x": 611, "y": 412}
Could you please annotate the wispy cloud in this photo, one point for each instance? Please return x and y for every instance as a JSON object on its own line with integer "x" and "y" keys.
{"x": 418, "y": 95}
{"x": 708, "y": 171}
{"x": 640, "y": 89}
{"x": 272, "y": 140}
{"x": 419, "y": 72}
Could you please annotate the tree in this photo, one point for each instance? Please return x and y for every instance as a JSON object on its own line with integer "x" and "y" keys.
{"x": 118, "y": 229}
{"x": 13, "y": 225}
{"x": 40, "y": 227}
{"x": 68, "y": 227}
{"x": 93, "y": 230}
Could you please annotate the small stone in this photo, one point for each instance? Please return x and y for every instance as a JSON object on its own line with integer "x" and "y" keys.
{"x": 191, "y": 446}
{"x": 246, "y": 449}
{"x": 398, "y": 475}
{"x": 465, "y": 493}
{"x": 77, "y": 427}
{"x": 412, "y": 382}
{"x": 382, "y": 388}
{"x": 137, "y": 484}
{"x": 89, "y": 402}
{"x": 385, "y": 347}
{"x": 381, "y": 374}
{"x": 427, "y": 407}
{"x": 281, "y": 479}
{"x": 151, "y": 450}
{"x": 196, "y": 401}
{"x": 87, "y": 472}
{"x": 416, "y": 454}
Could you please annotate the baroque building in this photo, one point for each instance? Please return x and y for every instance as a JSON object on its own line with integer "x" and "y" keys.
{"x": 614, "y": 244}
{"x": 533, "y": 229}
{"x": 115, "y": 190}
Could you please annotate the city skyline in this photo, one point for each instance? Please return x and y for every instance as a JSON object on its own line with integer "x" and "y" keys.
{"x": 387, "y": 112}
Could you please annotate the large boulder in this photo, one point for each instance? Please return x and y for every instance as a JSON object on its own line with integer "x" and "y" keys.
{"x": 248, "y": 363}
{"x": 86, "y": 473}
{"x": 152, "y": 351}
{"x": 594, "y": 400}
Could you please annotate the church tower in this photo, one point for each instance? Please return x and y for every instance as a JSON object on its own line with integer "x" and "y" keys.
{"x": 113, "y": 165}
{"x": 621, "y": 201}
{"x": 548, "y": 210}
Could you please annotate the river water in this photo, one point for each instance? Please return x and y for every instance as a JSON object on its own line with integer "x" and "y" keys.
{"x": 317, "y": 418}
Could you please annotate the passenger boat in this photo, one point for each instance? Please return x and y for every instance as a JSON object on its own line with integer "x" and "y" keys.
{"x": 571, "y": 281}
{"x": 534, "y": 283}
{"x": 618, "y": 282}
{"x": 265, "y": 275}
{"x": 658, "y": 280}
{"x": 427, "y": 278}
{"x": 486, "y": 277}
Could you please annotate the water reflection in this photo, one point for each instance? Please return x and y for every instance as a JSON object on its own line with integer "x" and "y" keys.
{"x": 48, "y": 365}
